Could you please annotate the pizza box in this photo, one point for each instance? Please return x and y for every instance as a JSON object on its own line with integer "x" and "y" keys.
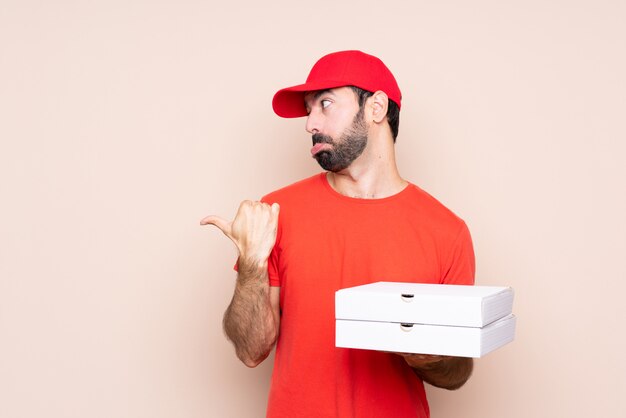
{"x": 420, "y": 303}
{"x": 425, "y": 339}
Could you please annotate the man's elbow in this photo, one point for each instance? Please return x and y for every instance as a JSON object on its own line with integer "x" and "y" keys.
{"x": 252, "y": 361}
{"x": 461, "y": 375}
{"x": 253, "y": 356}
{"x": 455, "y": 385}
{"x": 453, "y": 374}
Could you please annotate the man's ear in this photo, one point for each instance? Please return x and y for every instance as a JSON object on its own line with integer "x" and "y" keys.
{"x": 379, "y": 102}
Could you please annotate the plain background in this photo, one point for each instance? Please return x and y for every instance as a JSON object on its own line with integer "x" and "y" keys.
{"x": 123, "y": 123}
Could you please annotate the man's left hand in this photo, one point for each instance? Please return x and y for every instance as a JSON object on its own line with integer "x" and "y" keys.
{"x": 442, "y": 371}
{"x": 422, "y": 361}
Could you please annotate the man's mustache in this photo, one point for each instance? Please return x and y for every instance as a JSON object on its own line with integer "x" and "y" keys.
{"x": 322, "y": 139}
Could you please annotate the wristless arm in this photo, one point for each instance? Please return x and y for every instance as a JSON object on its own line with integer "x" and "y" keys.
{"x": 252, "y": 319}
{"x": 441, "y": 371}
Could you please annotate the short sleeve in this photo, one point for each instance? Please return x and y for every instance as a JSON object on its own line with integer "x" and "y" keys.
{"x": 272, "y": 268}
{"x": 272, "y": 262}
{"x": 461, "y": 266}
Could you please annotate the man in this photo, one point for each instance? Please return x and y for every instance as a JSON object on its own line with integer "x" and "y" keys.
{"x": 358, "y": 223}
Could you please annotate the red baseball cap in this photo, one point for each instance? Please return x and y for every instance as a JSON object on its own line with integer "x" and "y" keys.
{"x": 343, "y": 68}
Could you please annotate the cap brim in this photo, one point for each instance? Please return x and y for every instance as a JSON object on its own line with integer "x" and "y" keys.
{"x": 289, "y": 102}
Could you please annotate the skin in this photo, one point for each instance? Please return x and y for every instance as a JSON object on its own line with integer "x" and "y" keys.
{"x": 252, "y": 320}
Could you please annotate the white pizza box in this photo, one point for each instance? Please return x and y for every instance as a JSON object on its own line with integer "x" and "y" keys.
{"x": 425, "y": 339}
{"x": 419, "y": 303}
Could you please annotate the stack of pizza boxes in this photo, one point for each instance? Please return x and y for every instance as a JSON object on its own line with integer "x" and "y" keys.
{"x": 450, "y": 320}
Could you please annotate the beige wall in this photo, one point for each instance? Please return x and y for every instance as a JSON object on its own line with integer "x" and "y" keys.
{"x": 122, "y": 123}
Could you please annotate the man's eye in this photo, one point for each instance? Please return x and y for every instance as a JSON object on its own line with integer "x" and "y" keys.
{"x": 325, "y": 103}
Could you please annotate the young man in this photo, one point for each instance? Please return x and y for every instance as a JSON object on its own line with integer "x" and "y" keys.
{"x": 357, "y": 223}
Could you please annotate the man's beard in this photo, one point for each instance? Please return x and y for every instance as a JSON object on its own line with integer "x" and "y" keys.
{"x": 349, "y": 147}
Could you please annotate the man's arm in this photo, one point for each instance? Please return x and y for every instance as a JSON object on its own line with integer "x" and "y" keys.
{"x": 441, "y": 371}
{"x": 444, "y": 371}
{"x": 252, "y": 319}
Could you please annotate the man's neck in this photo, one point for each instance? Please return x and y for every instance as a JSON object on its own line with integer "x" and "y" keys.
{"x": 370, "y": 181}
{"x": 374, "y": 174}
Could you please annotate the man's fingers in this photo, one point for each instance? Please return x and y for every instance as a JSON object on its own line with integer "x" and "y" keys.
{"x": 253, "y": 230}
{"x": 219, "y": 222}
{"x": 275, "y": 210}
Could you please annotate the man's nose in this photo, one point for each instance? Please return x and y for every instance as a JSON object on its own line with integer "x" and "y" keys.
{"x": 312, "y": 123}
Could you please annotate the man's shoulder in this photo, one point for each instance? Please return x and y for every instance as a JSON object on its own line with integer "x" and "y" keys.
{"x": 432, "y": 208}
{"x": 298, "y": 190}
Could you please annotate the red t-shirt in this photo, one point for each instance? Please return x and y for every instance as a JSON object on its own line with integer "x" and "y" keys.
{"x": 327, "y": 241}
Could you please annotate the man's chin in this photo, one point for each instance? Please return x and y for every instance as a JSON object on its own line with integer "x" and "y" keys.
{"x": 323, "y": 158}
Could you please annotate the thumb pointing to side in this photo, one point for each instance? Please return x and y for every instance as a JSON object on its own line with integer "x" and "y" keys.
{"x": 253, "y": 230}
{"x": 224, "y": 225}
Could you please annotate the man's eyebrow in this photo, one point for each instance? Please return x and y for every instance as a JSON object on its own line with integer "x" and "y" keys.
{"x": 318, "y": 93}
{"x": 315, "y": 94}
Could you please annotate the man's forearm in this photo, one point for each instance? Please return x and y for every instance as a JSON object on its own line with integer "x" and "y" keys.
{"x": 249, "y": 321}
{"x": 448, "y": 373}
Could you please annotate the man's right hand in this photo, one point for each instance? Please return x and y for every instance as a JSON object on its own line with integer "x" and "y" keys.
{"x": 253, "y": 230}
{"x": 252, "y": 319}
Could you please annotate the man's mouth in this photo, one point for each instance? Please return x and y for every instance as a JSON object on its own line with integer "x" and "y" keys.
{"x": 320, "y": 146}
{"x": 320, "y": 143}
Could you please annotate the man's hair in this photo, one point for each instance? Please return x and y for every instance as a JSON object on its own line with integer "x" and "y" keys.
{"x": 393, "y": 113}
